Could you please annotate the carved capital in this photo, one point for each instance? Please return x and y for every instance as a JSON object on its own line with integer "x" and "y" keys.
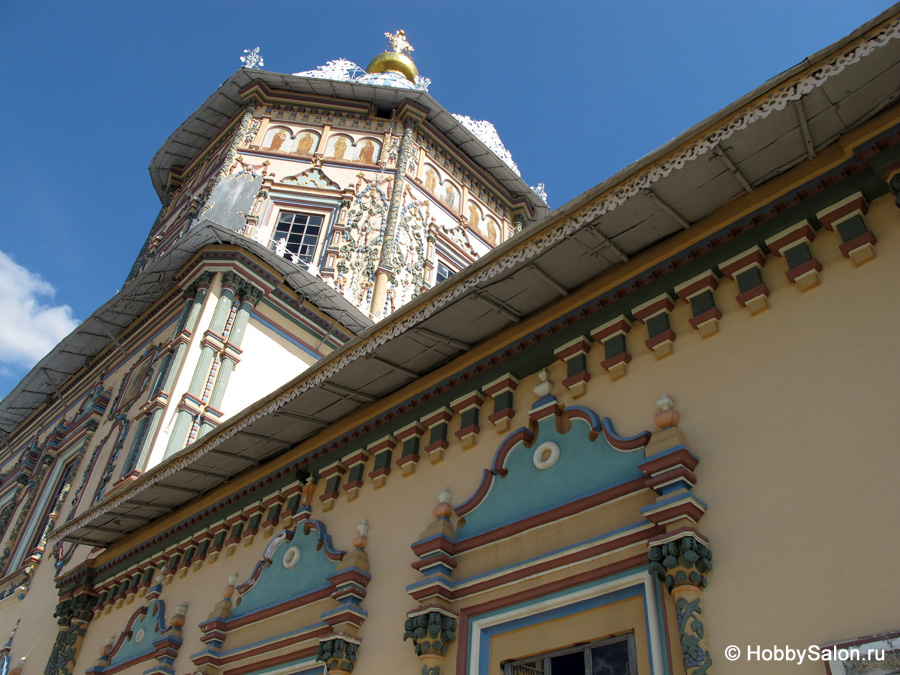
{"x": 431, "y": 632}
{"x": 682, "y": 562}
{"x": 338, "y": 653}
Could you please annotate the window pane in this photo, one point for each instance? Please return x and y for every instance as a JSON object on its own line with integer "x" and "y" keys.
{"x": 611, "y": 659}
{"x": 533, "y": 668}
{"x": 568, "y": 664}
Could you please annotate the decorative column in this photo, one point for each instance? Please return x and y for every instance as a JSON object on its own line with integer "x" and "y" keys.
{"x": 189, "y": 407}
{"x": 433, "y": 625}
{"x": 195, "y": 296}
{"x": 680, "y": 558}
{"x": 73, "y": 615}
{"x": 249, "y": 297}
{"x": 385, "y": 265}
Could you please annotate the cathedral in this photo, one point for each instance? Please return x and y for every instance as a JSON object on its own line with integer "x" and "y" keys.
{"x": 365, "y": 404}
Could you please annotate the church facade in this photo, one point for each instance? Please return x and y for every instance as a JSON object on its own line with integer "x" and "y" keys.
{"x": 645, "y": 433}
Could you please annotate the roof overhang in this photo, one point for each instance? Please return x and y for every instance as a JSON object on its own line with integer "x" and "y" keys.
{"x": 183, "y": 146}
{"x": 101, "y": 329}
{"x": 762, "y": 137}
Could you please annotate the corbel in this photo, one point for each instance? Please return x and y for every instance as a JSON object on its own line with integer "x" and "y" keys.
{"x": 219, "y": 532}
{"x": 612, "y": 336}
{"x": 437, "y": 424}
{"x": 698, "y": 293}
{"x": 331, "y": 474}
{"x": 846, "y": 217}
{"x": 204, "y": 542}
{"x": 654, "y": 314}
{"x": 410, "y": 438}
{"x": 236, "y": 525}
{"x": 574, "y": 355}
{"x": 273, "y": 505}
{"x": 382, "y": 450}
{"x": 254, "y": 516}
{"x": 501, "y": 391}
{"x": 356, "y": 466}
{"x": 746, "y": 269}
{"x": 793, "y": 245}
{"x": 468, "y": 407}
{"x": 292, "y": 497}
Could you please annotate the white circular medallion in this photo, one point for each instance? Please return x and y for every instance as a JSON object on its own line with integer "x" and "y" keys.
{"x": 139, "y": 636}
{"x": 291, "y": 557}
{"x": 545, "y": 455}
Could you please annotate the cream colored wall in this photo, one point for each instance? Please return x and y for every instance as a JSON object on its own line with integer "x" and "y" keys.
{"x": 268, "y": 361}
{"x": 788, "y": 412}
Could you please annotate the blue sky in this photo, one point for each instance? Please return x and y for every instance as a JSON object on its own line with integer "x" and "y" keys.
{"x": 577, "y": 90}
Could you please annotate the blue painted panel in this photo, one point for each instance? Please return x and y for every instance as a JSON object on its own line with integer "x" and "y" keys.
{"x": 583, "y": 468}
{"x": 277, "y": 584}
{"x": 152, "y": 625}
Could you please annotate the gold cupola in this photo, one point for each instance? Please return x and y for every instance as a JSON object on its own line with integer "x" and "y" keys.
{"x": 395, "y": 60}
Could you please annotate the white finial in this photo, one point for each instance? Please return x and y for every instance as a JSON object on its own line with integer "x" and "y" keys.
{"x": 363, "y": 528}
{"x": 253, "y": 59}
{"x": 545, "y": 386}
{"x": 445, "y": 496}
{"x": 665, "y": 403}
{"x": 159, "y": 578}
{"x": 232, "y": 580}
{"x": 541, "y": 191}
{"x": 182, "y": 608}
{"x": 111, "y": 639}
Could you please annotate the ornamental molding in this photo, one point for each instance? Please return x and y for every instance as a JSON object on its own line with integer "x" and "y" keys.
{"x": 777, "y": 100}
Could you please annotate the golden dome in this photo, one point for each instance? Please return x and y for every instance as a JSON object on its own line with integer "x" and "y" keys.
{"x": 394, "y": 62}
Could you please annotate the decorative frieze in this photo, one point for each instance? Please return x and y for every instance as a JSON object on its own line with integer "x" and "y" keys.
{"x": 793, "y": 245}
{"x": 746, "y": 269}
{"x": 655, "y": 315}
{"x": 574, "y": 355}
{"x": 846, "y": 217}
{"x": 698, "y": 293}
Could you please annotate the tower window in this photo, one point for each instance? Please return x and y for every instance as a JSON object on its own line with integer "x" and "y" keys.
{"x": 296, "y": 236}
{"x": 442, "y": 273}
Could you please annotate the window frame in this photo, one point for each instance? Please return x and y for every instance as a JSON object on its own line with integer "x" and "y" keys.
{"x": 316, "y": 252}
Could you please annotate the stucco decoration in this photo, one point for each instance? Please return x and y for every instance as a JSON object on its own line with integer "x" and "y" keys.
{"x": 589, "y": 458}
{"x": 361, "y": 246}
{"x": 486, "y": 132}
{"x": 410, "y": 246}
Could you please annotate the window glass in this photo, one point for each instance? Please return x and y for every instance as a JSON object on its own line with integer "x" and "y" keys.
{"x": 296, "y": 236}
{"x": 443, "y": 273}
{"x": 612, "y": 656}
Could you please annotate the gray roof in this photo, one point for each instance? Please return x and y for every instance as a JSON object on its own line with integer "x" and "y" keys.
{"x": 101, "y": 328}
{"x": 209, "y": 119}
{"x": 745, "y": 145}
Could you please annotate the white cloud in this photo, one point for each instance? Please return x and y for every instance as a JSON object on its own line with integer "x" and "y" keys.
{"x": 28, "y": 329}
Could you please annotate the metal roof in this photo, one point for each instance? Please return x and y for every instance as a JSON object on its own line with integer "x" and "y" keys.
{"x": 693, "y": 176}
{"x": 102, "y": 328}
{"x": 209, "y": 119}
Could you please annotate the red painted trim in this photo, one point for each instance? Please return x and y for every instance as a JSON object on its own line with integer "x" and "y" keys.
{"x": 801, "y": 234}
{"x": 671, "y": 474}
{"x": 703, "y": 317}
{"x": 754, "y": 257}
{"x": 487, "y": 478}
{"x": 621, "y": 357}
{"x": 708, "y": 282}
{"x": 803, "y": 268}
{"x": 662, "y": 305}
{"x": 681, "y": 457}
{"x": 550, "y": 516}
{"x": 665, "y": 336}
{"x": 583, "y": 376}
{"x": 580, "y": 347}
{"x": 502, "y": 385}
{"x": 857, "y": 242}
{"x": 506, "y": 413}
{"x": 470, "y": 430}
{"x": 755, "y": 292}
{"x": 437, "y": 558}
{"x": 858, "y": 204}
{"x": 600, "y": 335}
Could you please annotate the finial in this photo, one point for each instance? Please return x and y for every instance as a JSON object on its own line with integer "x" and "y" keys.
{"x": 232, "y": 580}
{"x": 253, "y": 59}
{"x": 666, "y": 417}
{"x": 398, "y": 41}
{"x": 443, "y": 509}
{"x": 159, "y": 578}
{"x": 362, "y": 540}
{"x": 229, "y": 589}
{"x": 182, "y": 608}
{"x": 545, "y": 386}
